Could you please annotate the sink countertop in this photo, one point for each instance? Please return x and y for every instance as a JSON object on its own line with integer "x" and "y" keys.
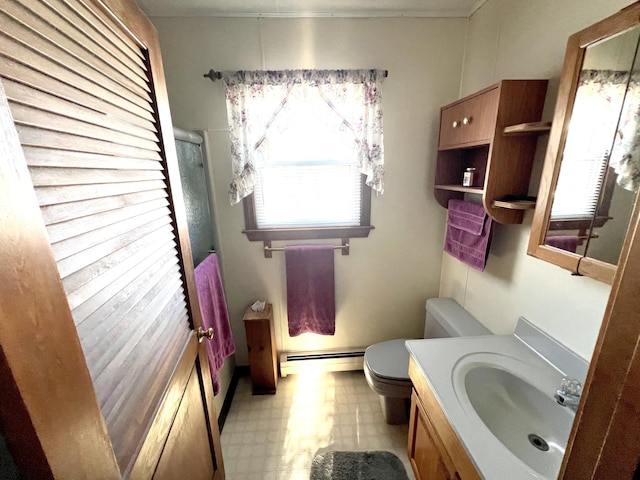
{"x": 438, "y": 359}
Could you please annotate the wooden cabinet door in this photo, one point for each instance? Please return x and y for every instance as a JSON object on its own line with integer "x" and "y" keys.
{"x": 469, "y": 122}
{"x": 98, "y": 354}
{"x": 426, "y": 453}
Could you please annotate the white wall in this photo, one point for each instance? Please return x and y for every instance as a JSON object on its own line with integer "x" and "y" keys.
{"x": 383, "y": 284}
{"x": 525, "y": 39}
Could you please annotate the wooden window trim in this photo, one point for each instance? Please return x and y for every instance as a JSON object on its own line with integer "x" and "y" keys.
{"x": 255, "y": 234}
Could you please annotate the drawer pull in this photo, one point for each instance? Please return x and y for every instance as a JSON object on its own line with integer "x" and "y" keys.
{"x": 455, "y": 124}
{"x": 467, "y": 120}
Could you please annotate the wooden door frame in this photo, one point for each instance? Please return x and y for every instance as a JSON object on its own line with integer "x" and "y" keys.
{"x": 605, "y": 440}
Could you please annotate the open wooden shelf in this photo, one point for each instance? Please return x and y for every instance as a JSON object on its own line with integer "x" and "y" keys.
{"x": 515, "y": 204}
{"x": 527, "y": 128}
{"x": 460, "y": 188}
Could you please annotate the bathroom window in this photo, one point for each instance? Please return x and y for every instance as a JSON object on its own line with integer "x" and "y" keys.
{"x": 307, "y": 151}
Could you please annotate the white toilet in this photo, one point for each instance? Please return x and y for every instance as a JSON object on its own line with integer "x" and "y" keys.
{"x": 386, "y": 364}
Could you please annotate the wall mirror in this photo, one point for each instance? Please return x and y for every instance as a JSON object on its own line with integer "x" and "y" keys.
{"x": 591, "y": 175}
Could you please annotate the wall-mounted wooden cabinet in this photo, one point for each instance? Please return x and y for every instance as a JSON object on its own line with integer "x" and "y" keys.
{"x": 492, "y": 131}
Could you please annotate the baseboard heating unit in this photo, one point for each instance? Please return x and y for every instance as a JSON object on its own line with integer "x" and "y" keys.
{"x": 323, "y": 361}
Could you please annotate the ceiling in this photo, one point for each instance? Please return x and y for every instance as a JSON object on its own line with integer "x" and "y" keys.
{"x": 310, "y": 8}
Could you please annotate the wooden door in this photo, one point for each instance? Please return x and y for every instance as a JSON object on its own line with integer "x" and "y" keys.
{"x": 99, "y": 362}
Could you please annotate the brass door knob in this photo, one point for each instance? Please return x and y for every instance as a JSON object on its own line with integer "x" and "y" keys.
{"x": 202, "y": 334}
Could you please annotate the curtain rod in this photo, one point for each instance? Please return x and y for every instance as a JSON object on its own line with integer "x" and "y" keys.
{"x": 214, "y": 75}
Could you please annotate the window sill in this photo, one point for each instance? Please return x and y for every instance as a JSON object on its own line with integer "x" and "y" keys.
{"x": 578, "y": 223}
{"x": 269, "y": 234}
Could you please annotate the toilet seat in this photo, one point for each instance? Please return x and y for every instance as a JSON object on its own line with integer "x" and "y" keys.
{"x": 388, "y": 361}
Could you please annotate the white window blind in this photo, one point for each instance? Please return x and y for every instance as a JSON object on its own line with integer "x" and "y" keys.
{"x": 297, "y": 196}
{"x": 579, "y": 187}
{"x": 592, "y": 131}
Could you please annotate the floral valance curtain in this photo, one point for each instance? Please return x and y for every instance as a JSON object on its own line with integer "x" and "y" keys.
{"x": 260, "y": 104}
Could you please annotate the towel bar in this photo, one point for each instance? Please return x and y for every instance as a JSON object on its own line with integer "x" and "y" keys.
{"x": 268, "y": 248}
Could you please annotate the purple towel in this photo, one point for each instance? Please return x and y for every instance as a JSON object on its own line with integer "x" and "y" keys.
{"x": 215, "y": 315}
{"x": 468, "y": 233}
{"x": 565, "y": 242}
{"x": 311, "y": 303}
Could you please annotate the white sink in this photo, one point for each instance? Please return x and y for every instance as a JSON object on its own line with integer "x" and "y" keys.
{"x": 496, "y": 390}
{"x": 521, "y": 414}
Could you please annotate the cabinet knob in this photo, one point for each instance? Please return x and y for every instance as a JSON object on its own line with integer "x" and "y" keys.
{"x": 455, "y": 124}
{"x": 467, "y": 120}
{"x": 202, "y": 334}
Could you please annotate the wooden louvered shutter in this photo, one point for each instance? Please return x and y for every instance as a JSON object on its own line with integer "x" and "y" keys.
{"x": 82, "y": 97}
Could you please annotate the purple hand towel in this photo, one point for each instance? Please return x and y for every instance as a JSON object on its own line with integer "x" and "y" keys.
{"x": 466, "y": 216}
{"x": 565, "y": 242}
{"x": 468, "y": 233}
{"x": 213, "y": 306}
{"x": 311, "y": 303}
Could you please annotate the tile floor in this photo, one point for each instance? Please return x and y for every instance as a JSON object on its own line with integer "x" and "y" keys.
{"x": 274, "y": 437}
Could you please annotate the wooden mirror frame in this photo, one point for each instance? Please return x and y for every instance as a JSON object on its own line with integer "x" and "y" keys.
{"x": 577, "y": 45}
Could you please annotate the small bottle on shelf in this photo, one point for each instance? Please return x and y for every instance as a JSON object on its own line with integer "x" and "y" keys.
{"x": 469, "y": 177}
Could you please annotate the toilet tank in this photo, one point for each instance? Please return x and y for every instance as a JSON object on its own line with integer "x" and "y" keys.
{"x": 446, "y": 318}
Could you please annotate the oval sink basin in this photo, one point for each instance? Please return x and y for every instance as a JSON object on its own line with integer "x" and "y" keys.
{"x": 526, "y": 420}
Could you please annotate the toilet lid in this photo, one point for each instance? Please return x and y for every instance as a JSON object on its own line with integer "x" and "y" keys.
{"x": 389, "y": 359}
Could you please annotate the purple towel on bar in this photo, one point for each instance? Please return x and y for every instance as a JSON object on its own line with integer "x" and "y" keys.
{"x": 311, "y": 302}
{"x": 565, "y": 242}
{"x": 213, "y": 306}
{"x": 468, "y": 233}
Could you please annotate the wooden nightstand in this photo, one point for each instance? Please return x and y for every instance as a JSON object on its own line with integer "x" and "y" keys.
{"x": 263, "y": 358}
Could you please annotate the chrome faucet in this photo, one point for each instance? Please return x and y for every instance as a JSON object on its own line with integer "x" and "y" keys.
{"x": 568, "y": 395}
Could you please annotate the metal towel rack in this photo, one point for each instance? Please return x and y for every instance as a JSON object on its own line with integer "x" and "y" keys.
{"x": 268, "y": 248}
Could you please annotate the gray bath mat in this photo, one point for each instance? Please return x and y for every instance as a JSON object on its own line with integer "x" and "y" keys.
{"x": 376, "y": 465}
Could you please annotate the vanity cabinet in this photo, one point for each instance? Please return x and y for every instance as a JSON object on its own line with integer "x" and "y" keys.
{"x": 495, "y": 132}
{"x": 434, "y": 450}
{"x": 428, "y": 457}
